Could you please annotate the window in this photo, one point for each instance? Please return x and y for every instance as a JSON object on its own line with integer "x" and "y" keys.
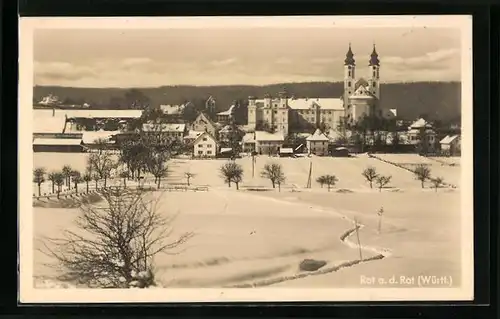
{"x": 374, "y": 84}
{"x": 200, "y": 152}
{"x": 275, "y": 105}
{"x": 349, "y": 73}
{"x": 200, "y": 145}
{"x": 275, "y": 112}
{"x": 209, "y": 152}
{"x": 204, "y": 139}
{"x": 349, "y": 84}
{"x": 374, "y": 74}
{"x": 209, "y": 145}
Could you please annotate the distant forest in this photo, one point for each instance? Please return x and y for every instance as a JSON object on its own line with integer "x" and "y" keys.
{"x": 431, "y": 100}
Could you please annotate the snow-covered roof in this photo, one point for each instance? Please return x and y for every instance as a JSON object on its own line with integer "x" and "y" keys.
{"x": 203, "y": 135}
{"x": 57, "y": 141}
{"x": 318, "y": 136}
{"x": 90, "y": 137}
{"x": 172, "y": 109}
{"x": 225, "y": 149}
{"x": 362, "y": 93}
{"x": 164, "y": 127}
{"x": 227, "y": 112}
{"x": 419, "y": 124}
{"x": 266, "y": 136}
{"x": 105, "y": 114}
{"x": 286, "y": 150}
{"x": 193, "y": 134}
{"x": 48, "y": 124}
{"x": 322, "y": 103}
{"x": 449, "y": 139}
{"x": 249, "y": 138}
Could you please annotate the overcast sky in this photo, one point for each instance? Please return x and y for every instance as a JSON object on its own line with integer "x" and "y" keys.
{"x": 151, "y": 58}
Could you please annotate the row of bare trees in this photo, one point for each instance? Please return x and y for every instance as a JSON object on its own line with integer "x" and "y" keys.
{"x": 232, "y": 172}
{"x": 422, "y": 173}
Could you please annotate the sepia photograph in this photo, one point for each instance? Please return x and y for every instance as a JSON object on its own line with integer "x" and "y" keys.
{"x": 202, "y": 159}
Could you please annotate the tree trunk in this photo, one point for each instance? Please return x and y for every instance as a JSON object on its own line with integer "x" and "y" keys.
{"x": 105, "y": 181}
{"x": 229, "y": 183}
{"x": 188, "y": 181}
{"x": 328, "y": 187}
{"x": 39, "y": 190}
{"x": 58, "y": 194}
{"x": 237, "y": 186}
{"x": 53, "y": 187}
{"x": 371, "y": 184}
{"x": 380, "y": 189}
{"x": 125, "y": 182}
{"x": 87, "y": 187}
{"x": 422, "y": 181}
{"x": 96, "y": 185}
{"x": 279, "y": 187}
{"x": 274, "y": 184}
{"x": 76, "y": 188}
{"x": 436, "y": 189}
{"x": 159, "y": 182}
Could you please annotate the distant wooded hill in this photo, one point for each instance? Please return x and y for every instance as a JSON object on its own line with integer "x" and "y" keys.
{"x": 433, "y": 100}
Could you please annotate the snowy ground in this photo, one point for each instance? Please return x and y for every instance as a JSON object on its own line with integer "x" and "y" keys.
{"x": 245, "y": 237}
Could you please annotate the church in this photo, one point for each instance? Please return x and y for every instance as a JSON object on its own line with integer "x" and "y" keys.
{"x": 360, "y": 97}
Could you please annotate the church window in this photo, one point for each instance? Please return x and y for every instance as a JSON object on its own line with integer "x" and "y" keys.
{"x": 349, "y": 67}
{"x": 374, "y": 73}
{"x": 349, "y": 73}
{"x": 374, "y": 83}
{"x": 275, "y": 112}
{"x": 349, "y": 84}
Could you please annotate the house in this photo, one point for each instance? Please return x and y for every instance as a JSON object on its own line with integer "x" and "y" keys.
{"x": 268, "y": 143}
{"x": 451, "y": 145}
{"x": 317, "y": 143}
{"x": 286, "y": 152}
{"x": 99, "y": 139}
{"x": 226, "y": 116}
{"x": 226, "y": 131}
{"x": 421, "y": 128}
{"x": 59, "y": 145}
{"x": 205, "y": 145}
{"x": 172, "y": 109}
{"x": 173, "y": 130}
{"x": 191, "y": 136}
{"x": 248, "y": 142}
{"x": 204, "y": 124}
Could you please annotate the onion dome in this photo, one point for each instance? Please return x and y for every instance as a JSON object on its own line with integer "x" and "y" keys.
{"x": 374, "y": 57}
{"x": 349, "y": 57}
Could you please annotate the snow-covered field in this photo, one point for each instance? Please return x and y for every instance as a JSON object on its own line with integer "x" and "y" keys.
{"x": 244, "y": 236}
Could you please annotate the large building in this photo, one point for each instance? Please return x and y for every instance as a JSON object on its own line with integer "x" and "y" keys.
{"x": 360, "y": 97}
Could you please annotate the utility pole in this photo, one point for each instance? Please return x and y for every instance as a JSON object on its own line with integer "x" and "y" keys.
{"x": 309, "y": 177}
{"x": 380, "y": 213}
{"x": 253, "y": 165}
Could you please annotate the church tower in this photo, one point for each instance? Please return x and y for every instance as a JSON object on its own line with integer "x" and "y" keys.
{"x": 375, "y": 74}
{"x": 349, "y": 74}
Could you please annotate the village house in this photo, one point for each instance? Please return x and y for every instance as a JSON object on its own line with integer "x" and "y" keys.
{"x": 59, "y": 145}
{"x": 94, "y": 120}
{"x": 171, "y": 130}
{"x": 191, "y": 136}
{"x": 317, "y": 143}
{"x": 205, "y": 145}
{"x": 421, "y": 128}
{"x": 268, "y": 143}
{"x": 227, "y": 116}
{"x": 248, "y": 142}
{"x": 203, "y": 123}
{"x": 451, "y": 145}
{"x": 93, "y": 141}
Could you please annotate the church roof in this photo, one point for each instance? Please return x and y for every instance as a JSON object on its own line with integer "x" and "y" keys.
{"x": 318, "y": 136}
{"x": 361, "y": 82}
{"x": 362, "y": 93}
{"x": 349, "y": 57}
{"x": 374, "y": 57}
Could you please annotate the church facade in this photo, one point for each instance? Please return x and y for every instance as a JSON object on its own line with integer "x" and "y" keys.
{"x": 360, "y": 97}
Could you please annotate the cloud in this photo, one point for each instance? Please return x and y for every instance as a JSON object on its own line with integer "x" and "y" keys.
{"x": 440, "y": 59}
{"x": 224, "y": 62}
{"x": 62, "y": 71}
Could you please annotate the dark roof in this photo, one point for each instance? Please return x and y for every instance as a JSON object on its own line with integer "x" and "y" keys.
{"x": 349, "y": 57}
{"x": 374, "y": 57}
{"x": 360, "y": 82}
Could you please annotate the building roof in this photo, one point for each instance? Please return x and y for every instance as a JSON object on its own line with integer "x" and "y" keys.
{"x": 420, "y": 123}
{"x": 105, "y": 114}
{"x": 362, "y": 93}
{"x": 318, "y": 136}
{"x": 57, "y": 141}
{"x": 202, "y": 117}
{"x": 172, "y": 109}
{"x": 205, "y": 134}
{"x": 249, "y": 138}
{"x": 374, "y": 57}
{"x": 225, "y": 149}
{"x": 48, "y": 124}
{"x": 164, "y": 127}
{"x": 322, "y": 103}
{"x": 349, "y": 57}
{"x": 286, "y": 150}
{"x": 449, "y": 139}
{"x": 193, "y": 134}
{"x": 90, "y": 137}
{"x": 227, "y": 112}
{"x": 266, "y": 136}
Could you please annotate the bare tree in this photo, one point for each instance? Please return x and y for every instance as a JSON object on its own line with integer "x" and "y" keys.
{"x": 114, "y": 246}
{"x": 76, "y": 179}
{"x": 39, "y": 178}
{"x": 96, "y": 179}
{"x": 321, "y": 180}
{"x": 52, "y": 177}
{"x": 124, "y": 174}
{"x": 274, "y": 172}
{"x": 188, "y": 176}
{"x": 370, "y": 174}
{"x": 232, "y": 172}
{"x": 66, "y": 171}
{"x": 101, "y": 164}
{"x": 422, "y": 173}
{"x": 437, "y": 182}
{"x": 329, "y": 180}
{"x": 87, "y": 178}
{"x": 382, "y": 181}
{"x": 59, "y": 179}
